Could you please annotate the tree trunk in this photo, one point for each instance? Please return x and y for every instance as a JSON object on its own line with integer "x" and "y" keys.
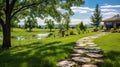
{"x": 50, "y": 30}
{"x": 6, "y": 35}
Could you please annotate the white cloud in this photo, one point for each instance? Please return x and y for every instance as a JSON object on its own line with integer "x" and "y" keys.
{"x": 108, "y": 10}
{"x": 109, "y": 14}
{"x": 110, "y": 6}
{"x": 42, "y": 21}
{"x": 76, "y": 21}
{"x": 81, "y": 9}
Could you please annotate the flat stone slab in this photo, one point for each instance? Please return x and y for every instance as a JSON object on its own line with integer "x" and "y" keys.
{"x": 81, "y": 59}
{"x": 99, "y": 60}
{"x": 79, "y": 51}
{"x": 81, "y": 44}
{"x": 94, "y": 51}
{"x": 89, "y": 65}
{"x": 75, "y": 55}
{"x": 94, "y": 48}
{"x": 92, "y": 45}
{"x": 66, "y": 63}
{"x": 94, "y": 55}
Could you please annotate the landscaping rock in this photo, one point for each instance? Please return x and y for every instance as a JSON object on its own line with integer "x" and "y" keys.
{"x": 81, "y": 44}
{"x": 66, "y": 63}
{"x": 81, "y": 59}
{"x": 75, "y": 55}
{"x": 89, "y": 65}
{"x": 99, "y": 60}
{"x": 92, "y": 45}
{"x": 94, "y": 55}
{"x": 79, "y": 51}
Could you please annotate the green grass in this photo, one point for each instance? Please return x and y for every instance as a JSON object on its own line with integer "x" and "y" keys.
{"x": 38, "y": 53}
{"x": 110, "y": 44}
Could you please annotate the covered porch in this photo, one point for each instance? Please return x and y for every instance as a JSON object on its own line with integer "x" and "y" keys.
{"x": 113, "y": 22}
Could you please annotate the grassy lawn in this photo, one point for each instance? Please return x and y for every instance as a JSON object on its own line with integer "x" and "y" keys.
{"x": 111, "y": 47}
{"x": 38, "y": 53}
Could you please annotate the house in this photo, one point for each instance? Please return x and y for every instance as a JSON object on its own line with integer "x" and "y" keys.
{"x": 113, "y": 22}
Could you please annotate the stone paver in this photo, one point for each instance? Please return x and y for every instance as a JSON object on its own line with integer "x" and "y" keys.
{"x": 66, "y": 63}
{"x": 75, "y": 55}
{"x": 94, "y": 55}
{"x": 89, "y": 65}
{"x": 81, "y": 59}
{"x": 80, "y": 51}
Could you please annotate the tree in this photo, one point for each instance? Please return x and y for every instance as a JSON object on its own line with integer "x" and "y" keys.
{"x": 10, "y": 9}
{"x": 78, "y": 28}
{"x": 81, "y": 27}
{"x": 66, "y": 22}
{"x": 30, "y": 23}
{"x": 96, "y": 18}
{"x": 50, "y": 24}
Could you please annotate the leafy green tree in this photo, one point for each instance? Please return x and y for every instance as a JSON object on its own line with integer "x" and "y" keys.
{"x": 50, "y": 24}
{"x": 96, "y": 18}
{"x": 81, "y": 27}
{"x": 10, "y": 9}
{"x": 66, "y": 22}
{"x": 30, "y": 23}
{"x": 85, "y": 28}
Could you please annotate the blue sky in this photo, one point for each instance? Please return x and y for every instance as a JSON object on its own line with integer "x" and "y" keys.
{"x": 83, "y": 13}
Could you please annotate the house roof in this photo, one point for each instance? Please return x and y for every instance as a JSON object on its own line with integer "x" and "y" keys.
{"x": 115, "y": 18}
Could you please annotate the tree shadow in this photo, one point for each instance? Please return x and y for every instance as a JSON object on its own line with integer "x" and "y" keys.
{"x": 35, "y": 55}
{"x": 112, "y": 59}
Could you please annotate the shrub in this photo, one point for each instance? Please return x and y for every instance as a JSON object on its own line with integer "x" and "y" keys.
{"x": 112, "y": 30}
{"x": 72, "y": 32}
{"x": 50, "y": 34}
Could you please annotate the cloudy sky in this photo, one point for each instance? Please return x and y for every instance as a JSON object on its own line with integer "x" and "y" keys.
{"x": 83, "y": 13}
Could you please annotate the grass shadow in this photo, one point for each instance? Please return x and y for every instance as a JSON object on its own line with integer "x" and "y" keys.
{"x": 36, "y": 56}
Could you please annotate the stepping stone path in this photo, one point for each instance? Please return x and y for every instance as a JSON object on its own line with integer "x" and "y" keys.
{"x": 86, "y": 53}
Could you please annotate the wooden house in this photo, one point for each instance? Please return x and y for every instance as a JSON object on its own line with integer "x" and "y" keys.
{"x": 113, "y": 22}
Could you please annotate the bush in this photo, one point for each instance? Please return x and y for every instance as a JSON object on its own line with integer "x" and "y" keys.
{"x": 112, "y": 30}
{"x": 66, "y": 34}
{"x": 72, "y": 33}
{"x": 50, "y": 34}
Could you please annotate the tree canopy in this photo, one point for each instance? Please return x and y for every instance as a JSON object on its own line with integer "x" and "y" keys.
{"x": 11, "y": 10}
{"x": 50, "y": 24}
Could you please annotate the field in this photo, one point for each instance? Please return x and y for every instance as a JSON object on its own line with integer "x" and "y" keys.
{"x": 110, "y": 44}
{"x": 38, "y": 53}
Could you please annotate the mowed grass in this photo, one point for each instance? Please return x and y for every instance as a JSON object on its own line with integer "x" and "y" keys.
{"x": 110, "y": 44}
{"x": 38, "y": 53}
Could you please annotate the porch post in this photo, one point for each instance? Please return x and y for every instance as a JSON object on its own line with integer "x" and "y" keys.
{"x": 105, "y": 25}
{"x": 114, "y": 25}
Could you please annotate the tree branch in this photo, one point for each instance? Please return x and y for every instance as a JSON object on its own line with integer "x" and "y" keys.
{"x": 12, "y": 4}
{"x": 23, "y": 7}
